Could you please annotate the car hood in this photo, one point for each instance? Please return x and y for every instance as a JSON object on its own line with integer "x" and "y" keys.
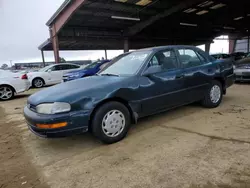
{"x": 82, "y": 71}
{"x": 243, "y": 66}
{"x": 95, "y": 86}
{"x": 243, "y": 61}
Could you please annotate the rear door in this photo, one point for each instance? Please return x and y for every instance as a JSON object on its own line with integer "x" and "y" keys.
{"x": 197, "y": 72}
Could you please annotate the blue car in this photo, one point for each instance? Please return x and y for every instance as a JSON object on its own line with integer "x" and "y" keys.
{"x": 89, "y": 70}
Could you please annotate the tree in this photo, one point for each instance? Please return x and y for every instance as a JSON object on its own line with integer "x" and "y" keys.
{"x": 62, "y": 60}
{"x": 4, "y": 66}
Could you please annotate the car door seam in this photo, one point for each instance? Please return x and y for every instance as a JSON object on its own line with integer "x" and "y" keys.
{"x": 169, "y": 93}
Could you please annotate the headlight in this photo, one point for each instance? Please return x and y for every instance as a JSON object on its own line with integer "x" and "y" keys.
{"x": 53, "y": 108}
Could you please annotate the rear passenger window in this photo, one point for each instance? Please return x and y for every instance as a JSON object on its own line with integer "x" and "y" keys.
{"x": 57, "y": 68}
{"x": 68, "y": 66}
{"x": 189, "y": 58}
{"x": 73, "y": 66}
{"x": 201, "y": 57}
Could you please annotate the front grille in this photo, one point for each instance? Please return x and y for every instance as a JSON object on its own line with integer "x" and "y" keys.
{"x": 246, "y": 73}
{"x": 242, "y": 77}
{"x": 32, "y": 107}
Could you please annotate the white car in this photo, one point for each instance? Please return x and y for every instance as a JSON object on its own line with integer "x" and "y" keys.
{"x": 12, "y": 83}
{"x": 50, "y": 75}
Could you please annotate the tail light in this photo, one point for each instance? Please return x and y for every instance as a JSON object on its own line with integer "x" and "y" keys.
{"x": 24, "y": 77}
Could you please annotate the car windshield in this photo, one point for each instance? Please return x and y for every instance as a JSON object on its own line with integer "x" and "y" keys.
{"x": 92, "y": 65}
{"x": 129, "y": 64}
{"x": 44, "y": 69}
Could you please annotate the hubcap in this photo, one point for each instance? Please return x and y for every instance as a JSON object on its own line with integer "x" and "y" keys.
{"x": 5, "y": 93}
{"x": 38, "y": 83}
{"x": 215, "y": 94}
{"x": 113, "y": 123}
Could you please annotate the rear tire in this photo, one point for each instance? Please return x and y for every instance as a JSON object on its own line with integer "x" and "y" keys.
{"x": 38, "y": 83}
{"x": 6, "y": 93}
{"x": 213, "y": 96}
{"x": 111, "y": 122}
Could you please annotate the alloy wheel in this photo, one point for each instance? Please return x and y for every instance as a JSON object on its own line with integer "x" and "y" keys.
{"x": 38, "y": 83}
{"x": 5, "y": 93}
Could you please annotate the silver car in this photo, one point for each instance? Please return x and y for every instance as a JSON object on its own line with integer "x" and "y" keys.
{"x": 242, "y": 69}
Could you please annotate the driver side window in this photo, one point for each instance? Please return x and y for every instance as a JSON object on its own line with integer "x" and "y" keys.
{"x": 154, "y": 61}
{"x": 165, "y": 59}
{"x": 51, "y": 69}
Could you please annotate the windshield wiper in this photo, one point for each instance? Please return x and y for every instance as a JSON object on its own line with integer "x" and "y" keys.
{"x": 109, "y": 74}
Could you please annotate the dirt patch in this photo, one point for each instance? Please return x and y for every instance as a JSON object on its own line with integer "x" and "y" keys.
{"x": 188, "y": 147}
{"x": 15, "y": 167}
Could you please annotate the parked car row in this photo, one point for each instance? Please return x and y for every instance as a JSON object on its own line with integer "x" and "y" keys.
{"x": 57, "y": 73}
{"x": 241, "y": 63}
{"x": 134, "y": 85}
{"x": 50, "y": 75}
{"x": 234, "y": 56}
{"x": 12, "y": 83}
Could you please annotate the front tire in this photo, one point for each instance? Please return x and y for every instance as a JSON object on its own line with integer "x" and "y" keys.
{"x": 213, "y": 95}
{"x": 38, "y": 83}
{"x": 111, "y": 122}
{"x": 6, "y": 93}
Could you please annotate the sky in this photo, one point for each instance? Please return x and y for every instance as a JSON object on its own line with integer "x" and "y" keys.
{"x": 23, "y": 29}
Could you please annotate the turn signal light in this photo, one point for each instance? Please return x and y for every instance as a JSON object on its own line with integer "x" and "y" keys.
{"x": 52, "y": 126}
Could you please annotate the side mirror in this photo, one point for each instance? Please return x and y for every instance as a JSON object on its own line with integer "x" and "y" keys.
{"x": 49, "y": 70}
{"x": 152, "y": 70}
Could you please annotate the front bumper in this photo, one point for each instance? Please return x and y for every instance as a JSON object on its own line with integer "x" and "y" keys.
{"x": 242, "y": 75}
{"x": 67, "y": 79}
{"x": 77, "y": 122}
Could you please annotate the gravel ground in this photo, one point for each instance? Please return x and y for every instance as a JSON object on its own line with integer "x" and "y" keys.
{"x": 189, "y": 147}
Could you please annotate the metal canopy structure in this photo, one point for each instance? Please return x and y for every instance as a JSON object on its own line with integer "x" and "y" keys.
{"x": 133, "y": 24}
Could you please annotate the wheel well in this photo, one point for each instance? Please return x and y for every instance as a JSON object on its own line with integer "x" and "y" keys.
{"x": 39, "y": 78}
{"x": 116, "y": 99}
{"x": 223, "y": 84}
{"x": 85, "y": 76}
{"x": 9, "y": 86}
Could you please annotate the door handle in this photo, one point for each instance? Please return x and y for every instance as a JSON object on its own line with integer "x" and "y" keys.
{"x": 179, "y": 76}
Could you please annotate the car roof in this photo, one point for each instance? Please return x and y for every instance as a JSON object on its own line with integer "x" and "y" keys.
{"x": 49, "y": 66}
{"x": 65, "y": 64}
{"x": 157, "y": 48}
{"x": 237, "y": 53}
{"x": 220, "y": 54}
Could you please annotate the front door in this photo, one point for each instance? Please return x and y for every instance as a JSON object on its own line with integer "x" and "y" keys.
{"x": 163, "y": 89}
{"x": 56, "y": 74}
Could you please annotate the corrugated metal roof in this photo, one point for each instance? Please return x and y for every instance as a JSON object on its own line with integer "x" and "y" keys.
{"x": 45, "y": 43}
{"x": 59, "y": 10}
